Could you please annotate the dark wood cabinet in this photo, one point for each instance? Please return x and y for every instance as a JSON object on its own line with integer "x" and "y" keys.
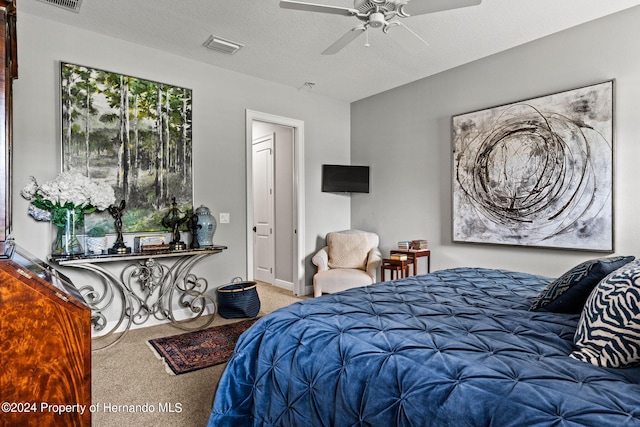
{"x": 45, "y": 346}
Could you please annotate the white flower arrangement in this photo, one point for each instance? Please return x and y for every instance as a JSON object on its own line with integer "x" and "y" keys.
{"x": 68, "y": 190}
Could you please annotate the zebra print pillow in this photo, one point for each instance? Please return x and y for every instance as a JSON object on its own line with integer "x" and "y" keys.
{"x": 608, "y": 332}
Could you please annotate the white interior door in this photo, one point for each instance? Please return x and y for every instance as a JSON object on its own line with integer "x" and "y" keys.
{"x": 263, "y": 210}
{"x": 301, "y": 286}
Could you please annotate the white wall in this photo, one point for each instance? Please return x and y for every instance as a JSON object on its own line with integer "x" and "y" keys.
{"x": 409, "y": 148}
{"x": 220, "y": 99}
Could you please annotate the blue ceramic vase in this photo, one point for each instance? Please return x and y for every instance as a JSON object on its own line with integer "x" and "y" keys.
{"x": 207, "y": 224}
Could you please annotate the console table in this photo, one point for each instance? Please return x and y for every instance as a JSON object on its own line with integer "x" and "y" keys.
{"x": 145, "y": 288}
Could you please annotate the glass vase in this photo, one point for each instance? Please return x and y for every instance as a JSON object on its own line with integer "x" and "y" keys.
{"x": 67, "y": 227}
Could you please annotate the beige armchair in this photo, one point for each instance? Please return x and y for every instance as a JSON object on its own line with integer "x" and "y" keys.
{"x": 349, "y": 260}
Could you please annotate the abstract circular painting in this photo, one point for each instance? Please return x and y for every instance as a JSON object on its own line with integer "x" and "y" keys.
{"x": 537, "y": 172}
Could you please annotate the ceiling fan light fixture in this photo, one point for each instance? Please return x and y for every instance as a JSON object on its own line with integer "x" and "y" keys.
{"x": 376, "y": 20}
{"x": 222, "y": 45}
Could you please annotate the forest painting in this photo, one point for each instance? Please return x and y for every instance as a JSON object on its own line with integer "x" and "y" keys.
{"x": 537, "y": 172}
{"x": 133, "y": 134}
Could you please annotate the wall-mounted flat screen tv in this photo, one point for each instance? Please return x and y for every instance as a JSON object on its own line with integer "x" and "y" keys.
{"x": 345, "y": 179}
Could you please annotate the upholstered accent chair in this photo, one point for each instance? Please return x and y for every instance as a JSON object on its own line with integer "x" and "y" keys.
{"x": 349, "y": 260}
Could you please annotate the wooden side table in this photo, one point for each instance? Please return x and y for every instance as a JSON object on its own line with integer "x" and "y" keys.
{"x": 413, "y": 255}
{"x": 395, "y": 267}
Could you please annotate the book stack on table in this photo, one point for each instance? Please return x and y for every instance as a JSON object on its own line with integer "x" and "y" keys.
{"x": 404, "y": 245}
{"x": 419, "y": 244}
{"x": 398, "y": 257}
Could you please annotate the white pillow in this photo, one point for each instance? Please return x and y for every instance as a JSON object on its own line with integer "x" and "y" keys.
{"x": 348, "y": 250}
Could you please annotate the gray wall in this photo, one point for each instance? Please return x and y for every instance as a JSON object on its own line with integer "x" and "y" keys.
{"x": 409, "y": 146}
{"x": 220, "y": 99}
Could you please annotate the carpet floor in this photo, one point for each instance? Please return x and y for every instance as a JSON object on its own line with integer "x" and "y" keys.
{"x": 132, "y": 388}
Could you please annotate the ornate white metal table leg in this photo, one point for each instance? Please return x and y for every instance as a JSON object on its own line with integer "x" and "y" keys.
{"x": 100, "y": 300}
{"x": 192, "y": 290}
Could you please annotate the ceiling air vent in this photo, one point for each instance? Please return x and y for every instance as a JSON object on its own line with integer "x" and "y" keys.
{"x": 72, "y": 5}
{"x": 222, "y": 45}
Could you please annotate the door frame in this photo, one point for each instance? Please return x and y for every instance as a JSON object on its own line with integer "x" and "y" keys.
{"x": 299, "y": 287}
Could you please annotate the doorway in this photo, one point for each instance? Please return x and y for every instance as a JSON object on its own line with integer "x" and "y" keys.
{"x": 275, "y": 200}
{"x": 264, "y": 208}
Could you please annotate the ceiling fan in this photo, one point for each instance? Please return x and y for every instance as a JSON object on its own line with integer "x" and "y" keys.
{"x": 381, "y": 14}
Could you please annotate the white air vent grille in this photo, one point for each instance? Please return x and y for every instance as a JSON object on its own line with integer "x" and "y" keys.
{"x": 72, "y": 5}
{"x": 222, "y": 45}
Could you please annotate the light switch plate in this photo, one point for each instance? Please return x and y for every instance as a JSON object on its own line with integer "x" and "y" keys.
{"x": 224, "y": 218}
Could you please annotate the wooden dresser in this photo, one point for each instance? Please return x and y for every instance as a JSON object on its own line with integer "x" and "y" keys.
{"x": 45, "y": 346}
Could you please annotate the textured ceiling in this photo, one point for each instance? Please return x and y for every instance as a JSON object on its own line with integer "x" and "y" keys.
{"x": 285, "y": 46}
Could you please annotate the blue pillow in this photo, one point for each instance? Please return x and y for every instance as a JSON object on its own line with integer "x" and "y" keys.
{"x": 568, "y": 293}
{"x": 608, "y": 332}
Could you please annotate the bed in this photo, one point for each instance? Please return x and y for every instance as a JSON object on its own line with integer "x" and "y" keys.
{"x": 457, "y": 347}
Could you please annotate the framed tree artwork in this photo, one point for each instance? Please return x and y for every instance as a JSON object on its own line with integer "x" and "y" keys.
{"x": 537, "y": 172}
{"x": 133, "y": 134}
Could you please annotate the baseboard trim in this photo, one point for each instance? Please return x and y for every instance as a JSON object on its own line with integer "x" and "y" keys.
{"x": 283, "y": 284}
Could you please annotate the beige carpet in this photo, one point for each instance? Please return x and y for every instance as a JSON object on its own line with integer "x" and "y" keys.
{"x": 132, "y": 388}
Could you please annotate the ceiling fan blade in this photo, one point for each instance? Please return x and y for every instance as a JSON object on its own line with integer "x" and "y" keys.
{"x": 345, "y": 40}
{"x": 405, "y": 37}
{"x": 311, "y": 7}
{"x": 421, "y": 7}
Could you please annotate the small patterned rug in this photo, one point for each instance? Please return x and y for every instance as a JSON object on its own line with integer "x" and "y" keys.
{"x": 199, "y": 349}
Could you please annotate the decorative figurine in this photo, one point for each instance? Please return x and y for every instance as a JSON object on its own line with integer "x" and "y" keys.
{"x": 118, "y": 247}
{"x": 194, "y": 227}
{"x": 173, "y": 220}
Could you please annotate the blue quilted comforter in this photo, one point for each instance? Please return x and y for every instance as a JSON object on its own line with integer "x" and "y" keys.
{"x": 453, "y": 348}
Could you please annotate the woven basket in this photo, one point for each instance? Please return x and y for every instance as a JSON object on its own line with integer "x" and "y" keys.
{"x": 238, "y": 299}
